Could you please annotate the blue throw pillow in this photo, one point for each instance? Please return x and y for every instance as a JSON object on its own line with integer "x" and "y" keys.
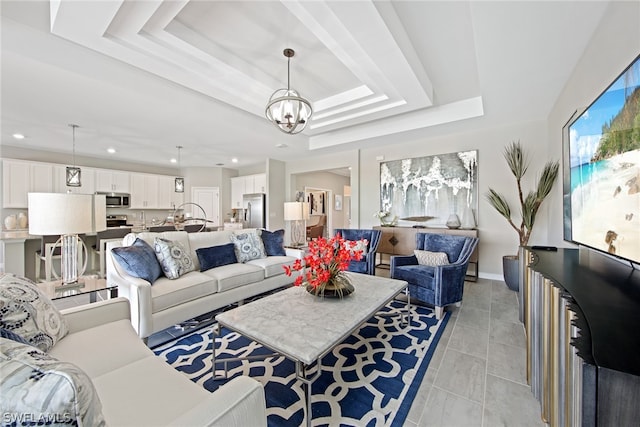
{"x": 139, "y": 260}
{"x": 273, "y": 242}
{"x": 216, "y": 256}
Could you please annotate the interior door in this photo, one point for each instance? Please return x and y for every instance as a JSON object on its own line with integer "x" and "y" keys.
{"x": 209, "y": 199}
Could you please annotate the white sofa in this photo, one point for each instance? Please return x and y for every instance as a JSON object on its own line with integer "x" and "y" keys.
{"x": 137, "y": 388}
{"x": 166, "y": 302}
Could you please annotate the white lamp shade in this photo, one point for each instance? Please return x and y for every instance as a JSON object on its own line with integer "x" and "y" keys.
{"x": 60, "y": 213}
{"x": 99, "y": 217}
{"x": 296, "y": 211}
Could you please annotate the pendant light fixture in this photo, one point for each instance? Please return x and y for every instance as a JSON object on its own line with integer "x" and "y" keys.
{"x": 286, "y": 109}
{"x": 73, "y": 172}
{"x": 179, "y": 182}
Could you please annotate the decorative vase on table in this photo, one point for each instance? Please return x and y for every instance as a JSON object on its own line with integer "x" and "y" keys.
{"x": 322, "y": 269}
{"x": 453, "y": 221}
{"x": 22, "y": 220}
{"x": 10, "y": 222}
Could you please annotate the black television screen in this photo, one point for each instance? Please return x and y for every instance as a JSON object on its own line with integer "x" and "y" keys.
{"x": 601, "y": 158}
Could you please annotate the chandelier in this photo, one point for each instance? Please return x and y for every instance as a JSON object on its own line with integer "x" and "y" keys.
{"x": 73, "y": 178}
{"x": 286, "y": 109}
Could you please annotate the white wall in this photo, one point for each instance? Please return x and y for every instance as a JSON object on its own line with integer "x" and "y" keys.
{"x": 613, "y": 47}
{"x": 496, "y": 236}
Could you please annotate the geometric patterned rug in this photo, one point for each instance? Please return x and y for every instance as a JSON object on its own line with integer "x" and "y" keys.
{"x": 370, "y": 379}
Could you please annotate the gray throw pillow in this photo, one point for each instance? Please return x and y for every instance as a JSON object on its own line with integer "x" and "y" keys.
{"x": 27, "y": 312}
{"x": 49, "y": 391}
{"x": 432, "y": 259}
{"x": 173, "y": 257}
{"x": 248, "y": 246}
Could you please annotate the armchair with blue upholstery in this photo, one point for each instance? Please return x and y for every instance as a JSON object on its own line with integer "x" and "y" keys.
{"x": 368, "y": 263}
{"x": 439, "y": 285}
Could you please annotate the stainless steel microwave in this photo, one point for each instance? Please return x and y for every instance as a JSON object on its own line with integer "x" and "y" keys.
{"x": 117, "y": 200}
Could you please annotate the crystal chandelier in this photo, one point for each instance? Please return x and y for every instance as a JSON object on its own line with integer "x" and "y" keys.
{"x": 286, "y": 109}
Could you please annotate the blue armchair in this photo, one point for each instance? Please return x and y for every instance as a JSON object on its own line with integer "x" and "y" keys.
{"x": 368, "y": 263}
{"x": 439, "y": 285}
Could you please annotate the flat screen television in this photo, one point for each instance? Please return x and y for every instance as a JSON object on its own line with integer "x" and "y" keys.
{"x": 601, "y": 170}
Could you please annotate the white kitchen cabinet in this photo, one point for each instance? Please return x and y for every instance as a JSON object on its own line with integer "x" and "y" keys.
{"x": 260, "y": 183}
{"x": 237, "y": 190}
{"x": 15, "y": 183}
{"x": 167, "y": 196}
{"x": 112, "y": 181}
{"x": 19, "y": 178}
{"x": 247, "y": 184}
{"x": 144, "y": 191}
{"x": 87, "y": 179}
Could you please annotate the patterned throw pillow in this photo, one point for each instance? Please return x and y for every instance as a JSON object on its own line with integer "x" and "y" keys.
{"x": 46, "y": 390}
{"x": 248, "y": 246}
{"x": 273, "y": 242}
{"x": 358, "y": 245}
{"x": 432, "y": 259}
{"x": 173, "y": 257}
{"x": 138, "y": 260}
{"x": 27, "y": 312}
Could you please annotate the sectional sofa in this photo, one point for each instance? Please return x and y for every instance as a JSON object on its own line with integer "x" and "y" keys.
{"x": 157, "y": 304}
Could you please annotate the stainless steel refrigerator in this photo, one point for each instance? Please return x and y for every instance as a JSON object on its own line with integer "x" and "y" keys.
{"x": 254, "y": 210}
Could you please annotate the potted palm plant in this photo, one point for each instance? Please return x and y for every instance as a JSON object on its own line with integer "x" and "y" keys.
{"x": 518, "y": 163}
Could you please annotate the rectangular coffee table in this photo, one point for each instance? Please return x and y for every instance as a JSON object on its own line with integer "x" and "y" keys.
{"x": 304, "y": 327}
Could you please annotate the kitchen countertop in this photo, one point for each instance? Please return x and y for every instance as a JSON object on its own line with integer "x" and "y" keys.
{"x": 21, "y": 234}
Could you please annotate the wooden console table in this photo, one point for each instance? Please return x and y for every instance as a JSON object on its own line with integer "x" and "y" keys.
{"x": 581, "y": 317}
{"x": 402, "y": 241}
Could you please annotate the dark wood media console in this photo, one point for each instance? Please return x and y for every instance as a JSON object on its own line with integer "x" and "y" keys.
{"x": 581, "y": 311}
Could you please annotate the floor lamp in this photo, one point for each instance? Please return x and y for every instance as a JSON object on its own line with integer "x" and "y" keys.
{"x": 68, "y": 215}
{"x": 297, "y": 213}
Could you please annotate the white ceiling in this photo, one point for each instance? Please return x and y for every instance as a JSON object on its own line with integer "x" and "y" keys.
{"x": 145, "y": 76}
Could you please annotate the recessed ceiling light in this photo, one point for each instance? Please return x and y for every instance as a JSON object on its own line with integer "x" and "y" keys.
{"x": 111, "y": 150}
{"x": 234, "y": 160}
{"x": 173, "y": 161}
{"x": 219, "y": 164}
{"x": 18, "y": 136}
{"x": 281, "y": 145}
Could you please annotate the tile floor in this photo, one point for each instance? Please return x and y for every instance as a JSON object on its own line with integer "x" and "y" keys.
{"x": 477, "y": 374}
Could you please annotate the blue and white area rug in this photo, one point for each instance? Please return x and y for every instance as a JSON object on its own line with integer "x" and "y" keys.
{"x": 370, "y": 379}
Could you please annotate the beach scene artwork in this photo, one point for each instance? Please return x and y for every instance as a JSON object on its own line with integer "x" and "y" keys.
{"x": 604, "y": 156}
{"x": 427, "y": 190}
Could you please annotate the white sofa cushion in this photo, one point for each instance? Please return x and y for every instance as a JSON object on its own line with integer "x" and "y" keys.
{"x": 104, "y": 348}
{"x": 167, "y": 293}
{"x": 154, "y": 393}
{"x": 235, "y": 275}
{"x": 273, "y": 265}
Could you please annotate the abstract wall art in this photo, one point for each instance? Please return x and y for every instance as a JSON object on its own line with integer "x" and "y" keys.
{"x": 430, "y": 189}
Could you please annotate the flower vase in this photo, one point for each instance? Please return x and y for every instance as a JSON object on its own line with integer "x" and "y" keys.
{"x": 337, "y": 287}
{"x": 453, "y": 221}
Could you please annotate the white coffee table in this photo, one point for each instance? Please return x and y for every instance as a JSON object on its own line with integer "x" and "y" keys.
{"x": 304, "y": 327}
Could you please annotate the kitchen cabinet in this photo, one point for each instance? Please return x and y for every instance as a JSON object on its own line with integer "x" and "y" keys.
{"x": 87, "y": 179}
{"x": 247, "y": 184}
{"x": 112, "y": 181}
{"x": 144, "y": 191}
{"x": 22, "y": 177}
{"x": 167, "y": 196}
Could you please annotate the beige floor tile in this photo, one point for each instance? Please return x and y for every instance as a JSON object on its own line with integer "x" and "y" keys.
{"x": 469, "y": 340}
{"x": 462, "y": 374}
{"x": 447, "y": 409}
{"x": 507, "y": 362}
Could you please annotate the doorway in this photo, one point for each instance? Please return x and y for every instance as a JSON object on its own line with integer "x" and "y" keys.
{"x": 209, "y": 199}
{"x": 319, "y": 200}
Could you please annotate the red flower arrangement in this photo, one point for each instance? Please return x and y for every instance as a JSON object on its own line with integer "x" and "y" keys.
{"x": 324, "y": 266}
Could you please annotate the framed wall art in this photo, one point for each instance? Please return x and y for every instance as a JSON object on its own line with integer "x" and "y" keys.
{"x": 431, "y": 188}
{"x": 338, "y": 202}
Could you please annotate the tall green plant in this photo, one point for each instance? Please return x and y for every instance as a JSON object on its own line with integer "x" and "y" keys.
{"x": 518, "y": 162}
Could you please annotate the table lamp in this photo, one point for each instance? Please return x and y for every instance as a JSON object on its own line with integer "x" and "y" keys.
{"x": 296, "y": 212}
{"x": 68, "y": 215}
